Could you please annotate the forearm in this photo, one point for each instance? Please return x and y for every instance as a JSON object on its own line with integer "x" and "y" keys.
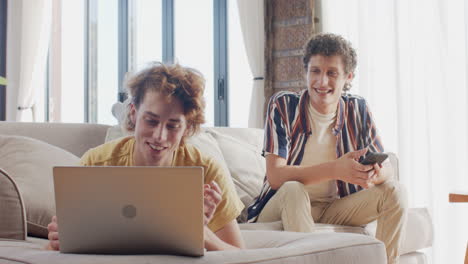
{"x": 277, "y": 175}
{"x": 214, "y": 243}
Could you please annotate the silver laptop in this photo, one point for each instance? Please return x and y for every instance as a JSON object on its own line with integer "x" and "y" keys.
{"x": 130, "y": 210}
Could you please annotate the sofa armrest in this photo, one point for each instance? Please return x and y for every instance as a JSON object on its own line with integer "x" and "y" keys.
{"x": 394, "y": 161}
{"x": 13, "y": 213}
{"x": 418, "y": 233}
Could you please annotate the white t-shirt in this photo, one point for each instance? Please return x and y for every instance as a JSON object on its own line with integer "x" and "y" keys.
{"x": 320, "y": 148}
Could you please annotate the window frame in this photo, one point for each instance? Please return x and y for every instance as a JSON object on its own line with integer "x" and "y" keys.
{"x": 3, "y": 43}
{"x": 220, "y": 36}
{"x": 220, "y": 55}
{"x": 168, "y": 44}
{"x": 123, "y": 48}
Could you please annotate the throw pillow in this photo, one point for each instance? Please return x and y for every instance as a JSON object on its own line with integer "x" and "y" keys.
{"x": 207, "y": 145}
{"x": 119, "y": 111}
{"x": 245, "y": 163}
{"x": 13, "y": 220}
{"x": 29, "y": 162}
{"x": 115, "y": 132}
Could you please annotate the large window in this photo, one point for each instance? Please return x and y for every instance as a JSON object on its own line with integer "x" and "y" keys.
{"x": 61, "y": 98}
{"x": 106, "y": 45}
{"x": 194, "y": 43}
{"x": 84, "y": 82}
{"x": 145, "y": 34}
{"x": 72, "y": 61}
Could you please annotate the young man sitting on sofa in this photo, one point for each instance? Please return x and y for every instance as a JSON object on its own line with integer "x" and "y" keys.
{"x": 167, "y": 107}
{"x": 313, "y": 141}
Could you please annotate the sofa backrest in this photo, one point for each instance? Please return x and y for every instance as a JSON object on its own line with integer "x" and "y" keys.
{"x": 75, "y": 138}
{"x": 238, "y": 149}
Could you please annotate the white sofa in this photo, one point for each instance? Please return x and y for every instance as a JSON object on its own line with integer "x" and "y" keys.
{"x": 27, "y": 202}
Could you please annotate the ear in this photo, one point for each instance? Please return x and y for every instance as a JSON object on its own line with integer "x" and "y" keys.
{"x": 188, "y": 131}
{"x": 133, "y": 113}
{"x": 350, "y": 77}
{"x": 306, "y": 72}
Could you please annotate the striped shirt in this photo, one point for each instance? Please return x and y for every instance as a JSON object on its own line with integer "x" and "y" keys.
{"x": 287, "y": 129}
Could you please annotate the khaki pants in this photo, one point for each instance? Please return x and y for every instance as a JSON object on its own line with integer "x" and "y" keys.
{"x": 386, "y": 203}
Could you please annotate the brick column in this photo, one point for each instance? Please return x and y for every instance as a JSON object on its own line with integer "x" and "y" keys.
{"x": 288, "y": 25}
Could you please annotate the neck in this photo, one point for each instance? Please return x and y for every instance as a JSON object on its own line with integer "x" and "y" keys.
{"x": 324, "y": 109}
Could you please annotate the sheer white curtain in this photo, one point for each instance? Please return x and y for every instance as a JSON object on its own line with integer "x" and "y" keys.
{"x": 412, "y": 68}
{"x": 34, "y": 41}
{"x": 252, "y": 23}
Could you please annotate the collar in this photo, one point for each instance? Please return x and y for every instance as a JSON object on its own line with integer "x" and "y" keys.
{"x": 304, "y": 100}
{"x": 340, "y": 116}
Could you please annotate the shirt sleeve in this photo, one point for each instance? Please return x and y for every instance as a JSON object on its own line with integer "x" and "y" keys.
{"x": 277, "y": 139}
{"x": 373, "y": 140}
{"x": 230, "y": 206}
{"x": 86, "y": 159}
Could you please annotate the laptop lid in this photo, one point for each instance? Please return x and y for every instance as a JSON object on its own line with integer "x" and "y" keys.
{"x": 130, "y": 210}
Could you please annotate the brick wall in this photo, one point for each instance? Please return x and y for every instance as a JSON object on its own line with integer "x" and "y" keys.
{"x": 288, "y": 25}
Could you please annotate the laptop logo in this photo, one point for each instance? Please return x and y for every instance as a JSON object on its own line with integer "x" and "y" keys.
{"x": 129, "y": 211}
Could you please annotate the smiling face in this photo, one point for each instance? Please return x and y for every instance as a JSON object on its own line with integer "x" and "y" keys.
{"x": 325, "y": 81}
{"x": 159, "y": 128}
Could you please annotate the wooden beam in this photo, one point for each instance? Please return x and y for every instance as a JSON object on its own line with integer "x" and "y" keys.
{"x": 458, "y": 198}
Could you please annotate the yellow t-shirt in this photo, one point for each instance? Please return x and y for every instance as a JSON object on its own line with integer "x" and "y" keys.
{"x": 120, "y": 153}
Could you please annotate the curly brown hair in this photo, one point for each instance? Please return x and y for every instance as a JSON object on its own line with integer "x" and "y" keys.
{"x": 173, "y": 81}
{"x": 328, "y": 44}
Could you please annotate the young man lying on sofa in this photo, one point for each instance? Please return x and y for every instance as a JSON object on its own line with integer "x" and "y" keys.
{"x": 167, "y": 107}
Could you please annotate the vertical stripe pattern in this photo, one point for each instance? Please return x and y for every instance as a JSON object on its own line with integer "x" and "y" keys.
{"x": 287, "y": 129}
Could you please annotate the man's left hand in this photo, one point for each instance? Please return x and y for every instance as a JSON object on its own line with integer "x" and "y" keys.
{"x": 212, "y": 196}
{"x": 380, "y": 173}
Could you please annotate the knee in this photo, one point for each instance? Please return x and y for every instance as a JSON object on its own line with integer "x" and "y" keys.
{"x": 291, "y": 186}
{"x": 293, "y": 191}
{"x": 395, "y": 194}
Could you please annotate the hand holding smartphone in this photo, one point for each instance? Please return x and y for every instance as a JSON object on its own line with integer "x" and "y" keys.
{"x": 374, "y": 157}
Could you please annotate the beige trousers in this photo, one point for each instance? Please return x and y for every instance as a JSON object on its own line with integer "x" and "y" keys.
{"x": 386, "y": 203}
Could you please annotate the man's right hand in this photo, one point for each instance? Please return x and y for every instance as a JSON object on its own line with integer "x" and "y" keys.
{"x": 52, "y": 227}
{"x": 348, "y": 169}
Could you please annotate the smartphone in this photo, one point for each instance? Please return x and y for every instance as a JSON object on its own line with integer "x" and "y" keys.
{"x": 374, "y": 157}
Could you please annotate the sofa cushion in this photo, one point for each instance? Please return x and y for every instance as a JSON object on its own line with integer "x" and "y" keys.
{"x": 273, "y": 226}
{"x": 262, "y": 247}
{"x": 244, "y": 161}
{"x": 319, "y": 228}
{"x": 29, "y": 162}
{"x": 418, "y": 234}
{"x": 13, "y": 220}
